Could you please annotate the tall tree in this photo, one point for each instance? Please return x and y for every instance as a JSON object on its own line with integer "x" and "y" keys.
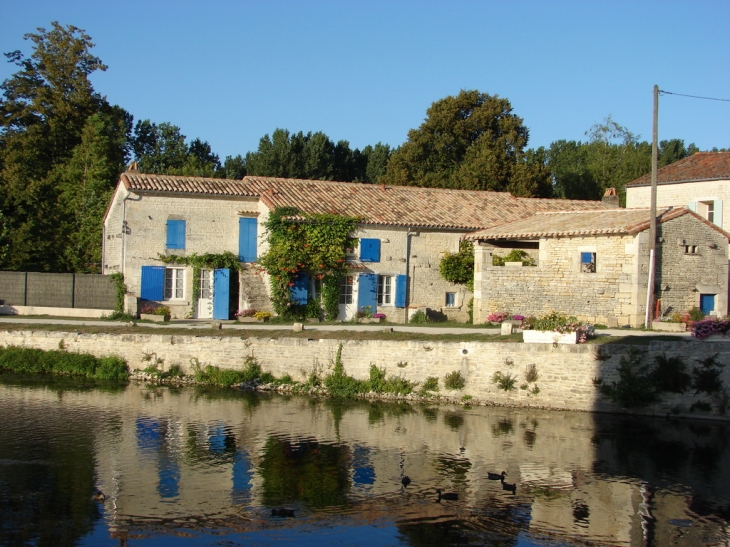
{"x": 470, "y": 141}
{"x": 43, "y": 113}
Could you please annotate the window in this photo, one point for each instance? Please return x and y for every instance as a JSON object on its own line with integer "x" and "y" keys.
{"x": 385, "y": 289}
{"x": 205, "y": 288}
{"x": 346, "y": 289}
{"x": 588, "y": 262}
{"x": 315, "y": 289}
{"x": 450, "y": 299}
{"x": 175, "y": 234}
{"x": 174, "y": 283}
{"x": 690, "y": 249}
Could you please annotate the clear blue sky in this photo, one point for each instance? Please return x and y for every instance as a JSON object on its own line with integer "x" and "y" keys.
{"x": 230, "y": 72}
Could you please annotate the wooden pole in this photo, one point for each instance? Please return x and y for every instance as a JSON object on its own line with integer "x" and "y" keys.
{"x": 652, "y": 226}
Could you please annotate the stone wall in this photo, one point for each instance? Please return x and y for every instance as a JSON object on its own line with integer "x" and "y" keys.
{"x": 566, "y": 374}
{"x": 692, "y": 259}
{"x": 606, "y": 296}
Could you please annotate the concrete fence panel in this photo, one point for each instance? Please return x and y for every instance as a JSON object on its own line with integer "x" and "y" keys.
{"x": 12, "y": 288}
{"x": 93, "y": 291}
{"x": 50, "y": 290}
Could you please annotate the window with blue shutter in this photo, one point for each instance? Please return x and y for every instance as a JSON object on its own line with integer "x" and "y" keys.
{"x": 152, "y": 283}
{"x": 247, "y": 239}
{"x": 370, "y": 250}
{"x": 400, "y": 290}
{"x": 175, "y": 234}
{"x": 300, "y": 290}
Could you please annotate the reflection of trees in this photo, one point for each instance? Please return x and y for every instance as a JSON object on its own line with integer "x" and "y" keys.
{"x": 503, "y": 428}
{"x": 456, "y": 469}
{"x": 47, "y": 502}
{"x": 305, "y": 470}
{"x": 453, "y": 420}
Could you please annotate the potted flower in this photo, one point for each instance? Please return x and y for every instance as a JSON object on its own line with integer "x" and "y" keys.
{"x": 711, "y": 328}
{"x": 157, "y": 314}
{"x": 262, "y": 316}
{"x": 555, "y": 328}
{"x": 246, "y": 316}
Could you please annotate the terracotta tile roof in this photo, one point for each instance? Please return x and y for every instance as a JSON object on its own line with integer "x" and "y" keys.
{"x": 699, "y": 166}
{"x": 142, "y": 182}
{"x": 584, "y": 223}
{"x": 374, "y": 204}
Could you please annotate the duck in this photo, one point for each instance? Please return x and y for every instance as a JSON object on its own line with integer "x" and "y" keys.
{"x": 282, "y": 512}
{"x": 446, "y": 496}
{"x": 496, "y": 476}
{"x": 98, "y": 495}
{"x": 509, "y": 487}
{"x": 405, "y": 481}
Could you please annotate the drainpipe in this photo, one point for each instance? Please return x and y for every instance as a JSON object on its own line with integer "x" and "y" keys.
{"x": 408, "y": 269}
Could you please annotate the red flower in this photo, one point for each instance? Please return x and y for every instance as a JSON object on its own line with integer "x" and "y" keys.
{"x": 291, "y": 283}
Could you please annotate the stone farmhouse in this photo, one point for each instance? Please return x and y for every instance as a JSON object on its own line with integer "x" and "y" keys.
{"x": 403, "y": 234}
{"x": 700, "y": 182}
{"x": 595, "y": 265}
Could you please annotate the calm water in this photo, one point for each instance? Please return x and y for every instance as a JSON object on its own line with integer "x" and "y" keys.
{"x": 197, "y": 467}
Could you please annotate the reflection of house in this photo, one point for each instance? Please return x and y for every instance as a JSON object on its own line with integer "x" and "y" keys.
{"x": 594, "y": 265}
{"x": 403, "y": 233}
{"x": 700, "y": 182}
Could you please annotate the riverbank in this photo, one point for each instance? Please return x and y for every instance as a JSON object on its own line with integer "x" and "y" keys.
{"x": 494, "y": 372}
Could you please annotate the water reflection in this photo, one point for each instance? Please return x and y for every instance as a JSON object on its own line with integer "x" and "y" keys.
{"x": 195, "y": 464}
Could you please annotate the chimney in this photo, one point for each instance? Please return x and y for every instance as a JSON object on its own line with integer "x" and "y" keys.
{"x": 610, "y": 199}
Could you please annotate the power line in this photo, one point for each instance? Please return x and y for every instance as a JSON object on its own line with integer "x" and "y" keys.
{"x": 693, "y": 96}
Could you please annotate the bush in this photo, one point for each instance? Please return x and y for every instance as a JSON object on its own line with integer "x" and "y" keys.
{"x": 505, "y": 382}
{"x": 431, "y": 384}
{"x": 709, "y": 326}
{"x": 36, "y": 361}
{"x": 419, "y": 318}
{"x": 454, "y": 380}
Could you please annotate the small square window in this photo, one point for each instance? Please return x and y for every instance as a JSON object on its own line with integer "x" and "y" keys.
{"x": 588, "y": 262}
{"x": 690, "y": 249}
{"x": 174, "y": 283}
{"x": 450, "y": 299}
{"x": 385, "y": 289}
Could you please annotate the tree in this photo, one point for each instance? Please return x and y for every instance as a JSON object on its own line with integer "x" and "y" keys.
{"x": 159, "y": 149}
{"x": 43, "y": 115}
{"x": 470, "y": 141}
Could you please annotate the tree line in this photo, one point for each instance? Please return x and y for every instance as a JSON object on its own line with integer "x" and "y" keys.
{"x": 63, "y": 147}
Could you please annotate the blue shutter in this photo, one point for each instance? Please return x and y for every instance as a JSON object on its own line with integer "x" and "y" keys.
{"x": 247, "y": 239}
{"x": 221, "y": 293}
{"x": 152, "y": 283}
{"x": 586, "y": 258}
{"x": 370, "y": 250}
{"x": 367, "y": 292}
{"x": 400, "y": 290}
{"x": 300, "y": 290}
{"x": 175, "y": 234}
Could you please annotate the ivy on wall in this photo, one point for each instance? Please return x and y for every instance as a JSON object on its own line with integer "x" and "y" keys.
{"x": 315, "y": 245}
{"x": 121, "y": 290}
{"x": 206, "y": 261}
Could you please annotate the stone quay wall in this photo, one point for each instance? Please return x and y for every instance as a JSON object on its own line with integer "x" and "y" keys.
{"x": 566, "y": 374}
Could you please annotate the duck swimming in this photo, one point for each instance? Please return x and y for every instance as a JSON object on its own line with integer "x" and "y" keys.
{"x": 509, "y": 487}
{"x": 282, "y": 512}
{"x": 446, "y": 496}
{"x": 405, "y": 481}
{"x": 496, "y": 476}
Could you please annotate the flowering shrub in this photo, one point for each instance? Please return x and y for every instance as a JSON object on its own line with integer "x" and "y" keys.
{"x": 497, "y": 317}
{"x": 246, "y": 313}
{"x": 557, "y": 322}
{"x": 262, "y": 315}
{"x": 707, "y": 327}
{"x": 518, "y": 317}
{"x": 378, "y": 316}
{"x": 152, "y": 310}
{"x": 364, "y": 312}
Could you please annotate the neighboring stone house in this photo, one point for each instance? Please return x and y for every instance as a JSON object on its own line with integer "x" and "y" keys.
{"x": 595, "y": 265}
{"x": 403, "y": 232}
{"x": 700, "y": 182}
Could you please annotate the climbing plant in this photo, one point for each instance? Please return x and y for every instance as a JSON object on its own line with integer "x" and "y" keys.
{"x": 459, "y": 267}
{"x": 206, "y": 261}
{"x": 121, "y": 290}
{"x": 301, "y": 243}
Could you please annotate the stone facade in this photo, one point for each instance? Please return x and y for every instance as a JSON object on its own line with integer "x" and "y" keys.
{"x": 615, "y": 293}
{"x": 565, "y": 373}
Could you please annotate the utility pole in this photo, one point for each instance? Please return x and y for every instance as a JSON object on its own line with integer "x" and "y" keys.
{"x": 652, "y": 225}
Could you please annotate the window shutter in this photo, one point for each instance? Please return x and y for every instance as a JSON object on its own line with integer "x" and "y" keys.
{"x": 152, "y": 283}
{"x": 400, "y": 290}
{"x": 300, "y": 290}
{"x": 586, "y": 258}
{"x": 692, "y": 206}
{"x": 370, "y": 250}
{"x": 175, "y": 234}
{"x": 718, "y": 212}
{"x": 367, "y": 291}
{"x": 247, "y": 239}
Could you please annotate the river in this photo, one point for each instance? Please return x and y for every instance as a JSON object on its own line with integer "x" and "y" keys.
{"x": 194, "y": 466}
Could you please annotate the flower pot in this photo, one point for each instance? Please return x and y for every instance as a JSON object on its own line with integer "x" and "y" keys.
{"x": 549, "y": 337}
{"x": 247, "y": 319}
{"x": 668, "y": 327}
{"x": 154, "y": 317}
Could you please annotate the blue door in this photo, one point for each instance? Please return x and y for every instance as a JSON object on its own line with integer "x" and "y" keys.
{"x": 221, "y": 293}
{"x": 707, "y": 303}
{"x": 367, "y": 292}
